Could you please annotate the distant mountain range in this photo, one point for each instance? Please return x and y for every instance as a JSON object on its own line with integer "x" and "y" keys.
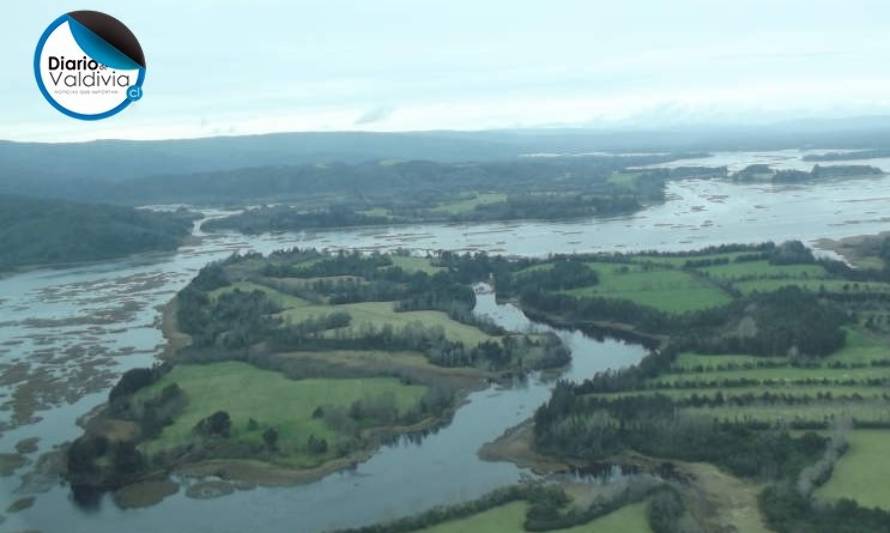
{"x": 67, "y": 170}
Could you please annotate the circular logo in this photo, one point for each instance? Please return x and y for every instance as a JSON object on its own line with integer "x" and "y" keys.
{"x": 89, "y": 65}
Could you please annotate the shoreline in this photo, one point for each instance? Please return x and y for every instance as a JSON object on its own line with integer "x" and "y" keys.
{"x": 515, "y": 446}
{"x": 270, "y": 474}
{"x": 598, "y": 328}
{"x": 850, "y": 248}
{"x": 513, "y": 222}
{"x": 13, "y": 271}
{"x": 714, "y": 495}
{"x": 169, "y": 325}
{"x": 257, "y": 471}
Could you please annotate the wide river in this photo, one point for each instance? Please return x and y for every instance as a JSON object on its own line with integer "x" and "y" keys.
{"x": 66, "y": 335}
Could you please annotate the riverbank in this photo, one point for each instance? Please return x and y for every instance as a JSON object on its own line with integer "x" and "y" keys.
{"x": 40, "y": 232}
{"x": 718, "y": 500}
{"x": 269, "y": 474}
{"x": 262, "y": 472}
{"x": 174, "y": 338}
{"x": 861, "y": 251}
{"x": 598, "y": 328}
{"x": 516, "y": 446}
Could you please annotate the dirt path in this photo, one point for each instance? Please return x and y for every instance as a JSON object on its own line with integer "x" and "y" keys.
{"x": 721, "y": 502}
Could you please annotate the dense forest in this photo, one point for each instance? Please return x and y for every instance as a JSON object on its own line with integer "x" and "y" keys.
{"x": 379, "y": 180}
{"x": 512, "y": 207}
{"x": 418, "y": 192}
{"x": 44, "y": 232}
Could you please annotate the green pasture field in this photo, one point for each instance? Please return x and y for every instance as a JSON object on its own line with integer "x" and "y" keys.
{"x": 862, "y": 473}
{"x": 861, "y": 346}
{"x": 382, "y": 313}
{"x": 680, "y": 260}
{"x": 510, "y": 517}
{"x": 763, "y": 269}
{"x": 285, "y": 301}
{"x": 271, "y": 399}
{"x": 367, "y": 313}
{"x": 673, "y": 291}
{"x": 415, "y": 264}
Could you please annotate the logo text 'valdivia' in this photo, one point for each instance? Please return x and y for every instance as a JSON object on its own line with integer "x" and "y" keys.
{"x": 84, "y": 72}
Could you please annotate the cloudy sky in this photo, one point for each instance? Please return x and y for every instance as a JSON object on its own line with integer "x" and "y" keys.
{"x": 222, "y": 67}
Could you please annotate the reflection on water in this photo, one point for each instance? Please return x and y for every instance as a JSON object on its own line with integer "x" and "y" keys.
{"x": 589, "y": 355}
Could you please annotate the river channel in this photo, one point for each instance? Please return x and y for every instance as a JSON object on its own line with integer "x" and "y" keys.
{"x": 66, "y": 335}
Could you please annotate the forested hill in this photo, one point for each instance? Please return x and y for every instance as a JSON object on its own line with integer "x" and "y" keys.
{"x": 370, "y": 178}
{"x": 376, "y": 178}
{"x": 43, "y": 232}
{"x": 60, "y": 169}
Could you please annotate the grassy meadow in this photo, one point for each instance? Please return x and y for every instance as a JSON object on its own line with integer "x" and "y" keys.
{"x": 666, "y": 289}
{"x": 510, "y": 517}
{"x": 674, "y": 284}
{"x": 363, "y": 314}
{"x": 272, "y": 400}
{"x": 383, "y": 313}
{"x": 862, "y": 473}
{"x": 851, "y": 383}
{"x": 410, "y": 263}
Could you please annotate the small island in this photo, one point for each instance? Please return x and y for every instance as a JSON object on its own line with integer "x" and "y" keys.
{"x": 418, "y": 192}
{"x": 282, "y": 369}
{"x": 763, "y": 172}
{"x": 584, "y": 191}
{"x": 849, "y": 155}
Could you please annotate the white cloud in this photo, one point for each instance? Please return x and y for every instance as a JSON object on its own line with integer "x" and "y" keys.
{"x": 468, "y": 65}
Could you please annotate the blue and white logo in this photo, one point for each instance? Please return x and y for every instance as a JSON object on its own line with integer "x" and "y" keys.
{"x": 89, "y": 65}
